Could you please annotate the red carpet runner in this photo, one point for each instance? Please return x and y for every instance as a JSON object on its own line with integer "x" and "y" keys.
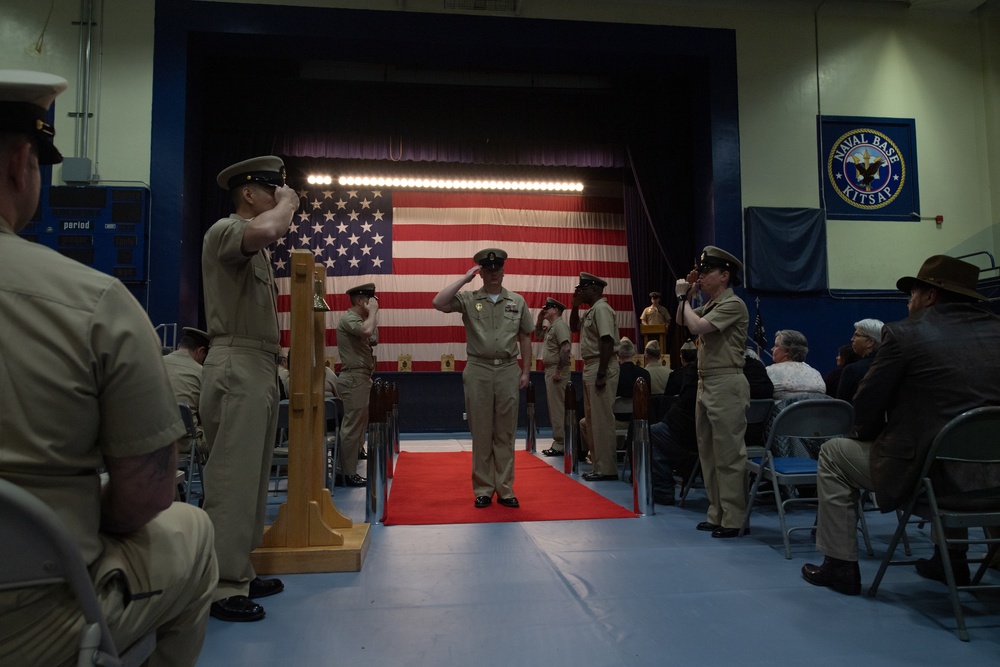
{"x": 436, "y": 488}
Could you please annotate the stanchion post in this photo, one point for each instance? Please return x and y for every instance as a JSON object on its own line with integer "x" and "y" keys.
{"x": 529, "y": 439}
{"x": 375, "y": 492}
{"x": 570, "y": 464}
{"x": 642, "y": 480}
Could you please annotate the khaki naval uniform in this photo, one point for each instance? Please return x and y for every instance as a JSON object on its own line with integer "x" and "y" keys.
{"x": 185, "y": 379}
{"x": 597, "y": 322}
{"x": 720, "y": 417}
{"x": 354, "y": 384}
{"x": 239, "y": 396}
{"x": 110, "y": 397}
{"x": 555, "y": 336}
{"x": 655, "y": 315}
{"x": 490, "y": 379}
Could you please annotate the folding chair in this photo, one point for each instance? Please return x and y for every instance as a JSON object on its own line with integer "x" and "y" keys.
{"x": 972, "y": 438}
{"x": 621, "y": 407}
{"x": 334, "y": 415}
{"x": 757, "y": 412}
{"x": 193, "y": 465}
{"x": 280, "y": 457}
{"x": 37, "y": 550}
{"x": 819, "y": 419}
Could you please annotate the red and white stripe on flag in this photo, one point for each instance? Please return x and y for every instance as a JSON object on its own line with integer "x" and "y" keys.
{"x": 549, "y": 240}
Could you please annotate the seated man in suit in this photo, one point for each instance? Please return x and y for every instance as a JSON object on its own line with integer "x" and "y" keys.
{"x": 865, "y": 341}
{"x": 915, "y": 386}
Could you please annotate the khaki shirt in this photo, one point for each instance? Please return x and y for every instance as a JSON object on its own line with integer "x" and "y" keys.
{"x": 597, "y": 322}
{"x": 555, "y": 336}
{"x": 185, "y": 377}
{"x": 491, "y": 329}
{"x": 655, "y": 315}
{"x": 240, "y": 292}
{"x": 354, "y": 347}
{"x": 86, "y": 381}
{"x": 726, "y": 347}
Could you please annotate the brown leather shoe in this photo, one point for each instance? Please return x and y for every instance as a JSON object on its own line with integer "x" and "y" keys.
{"x": 843, "y": 576}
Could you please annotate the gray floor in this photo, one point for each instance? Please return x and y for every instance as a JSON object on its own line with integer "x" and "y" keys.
{"x": 644, "y": 591}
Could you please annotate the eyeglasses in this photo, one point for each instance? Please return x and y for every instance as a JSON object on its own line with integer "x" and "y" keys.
{"x": 861, "y": 335}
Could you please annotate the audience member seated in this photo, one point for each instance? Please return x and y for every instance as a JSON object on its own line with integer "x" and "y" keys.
{"x": 84, "y": 386}
{"x": 865, "y": 343}
{"x": 184, "y": 370}
{"x": 283, "y": 375}
{"x": 845, "y": 355}
{"x": 658, "y": 372}
{"x": 760, "y": 387}
{"x": 329, "y": 381}
{"x": 790, "y": 373}
{"x": 915, "y": 382}
{"x": 673, "y": 441}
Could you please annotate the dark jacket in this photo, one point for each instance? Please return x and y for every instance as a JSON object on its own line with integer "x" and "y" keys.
{"x": 851, "y": 378}
{"x": 628, "y": 373}
{"x": 930, "y": 368}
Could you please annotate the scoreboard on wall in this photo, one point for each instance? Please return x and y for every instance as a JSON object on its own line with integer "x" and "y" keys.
{"x": 104, "y": 227}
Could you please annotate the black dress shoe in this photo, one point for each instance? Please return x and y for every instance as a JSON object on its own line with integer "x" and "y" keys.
{"x": 553, "y": 452}
{"x": 509, "y": 502}
{"x": 236, "y": 609}
{"x": 597, "y": 477}
{"x": 483, "y": 501}
{"x": 664, "y": 498}
{"x": 727, "y": 532}
{"x": 362, "y": 455}
{"x": 261, "y": 588}
{"x": 708, "y": 527}
{"x": 843, "y": 576}
{"x": 351, "y": 480}
{"x": 933, "y": 567}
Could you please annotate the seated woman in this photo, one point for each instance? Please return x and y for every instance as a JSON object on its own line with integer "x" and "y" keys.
{"x": 790, "y": 373}
{"x": 845, "y": 355}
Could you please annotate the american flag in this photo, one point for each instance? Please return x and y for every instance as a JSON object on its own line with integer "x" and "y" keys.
{"x": 412, "y": 244}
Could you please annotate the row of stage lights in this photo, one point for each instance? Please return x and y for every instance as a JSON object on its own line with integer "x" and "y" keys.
{"x": 446, "y": 183}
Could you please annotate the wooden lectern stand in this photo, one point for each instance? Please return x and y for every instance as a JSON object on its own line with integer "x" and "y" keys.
{"x": 310, "y": 534}
{"x": 657, "y": 332}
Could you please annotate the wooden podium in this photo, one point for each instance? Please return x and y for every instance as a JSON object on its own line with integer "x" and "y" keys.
{"x": 657, "y": 332}
{"x": 309, "y": 534}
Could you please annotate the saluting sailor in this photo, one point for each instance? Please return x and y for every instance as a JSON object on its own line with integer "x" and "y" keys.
{"x": 497, "y": 328}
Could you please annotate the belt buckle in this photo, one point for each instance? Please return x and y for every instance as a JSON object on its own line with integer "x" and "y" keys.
{"x": 497, "y": 362}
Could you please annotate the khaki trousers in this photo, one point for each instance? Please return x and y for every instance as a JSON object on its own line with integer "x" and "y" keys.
{"x": 355, "y": 389}
{"x": 239, "y": 410}
{"x": 160, "y": 578}
{"x": 600, "y": 419}
{"x": 555, "y": 394}
{"x": 491, "y": 396}
{"x": 720, "y": 421}
{"x": 844, "y": 467}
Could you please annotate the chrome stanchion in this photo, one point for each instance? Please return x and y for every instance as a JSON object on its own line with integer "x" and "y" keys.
{"x": 529, "y": 440}
{"x": 642, "y": 478}
{"x": 570, "y": 464}
{"x": 377, "y": 488}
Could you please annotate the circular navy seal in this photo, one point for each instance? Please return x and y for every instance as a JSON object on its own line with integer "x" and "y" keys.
{"x": 866, "y": 168}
